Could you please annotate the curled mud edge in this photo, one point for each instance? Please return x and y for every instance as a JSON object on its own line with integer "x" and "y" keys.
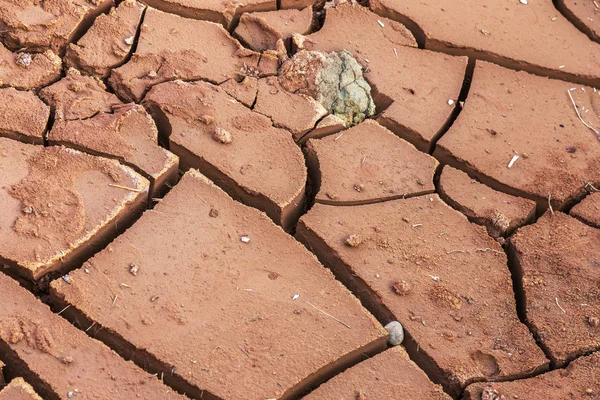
{"x": 171, "y": 378}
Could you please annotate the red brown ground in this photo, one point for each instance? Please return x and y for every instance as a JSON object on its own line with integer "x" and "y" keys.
{"x": 235, "y": 147}
{"x": 25, "y": 71}
{"x": 533, "y": 36}
{"x": 411, "y": 264}
{"x": 58, "y": 206}
{"x": 585, "y": 15}
{"x": 367, "y": 164}
{"x": 261, "y": 31}
{"x": 389, "y": 375}
{"x": 244, "y": 91}
{"x": 297, "y": 113}
{"x": 520, "y": 134}
{"x": 18, "y": 389}
{"x": 412, "y": 87}
{"x": 108, "y": 42}
{"x": 90, "y": 119}
{"x": 23, "y": 116}
{"x": 556, "y": 262}
{"x": 49, "y": 24}
{"x": 199, "y": 300}
{"x": 169, "y": 48}
{"x": 223, "y": 12}
{"x": 58, "y": 359}
{"x": 500, "y": 213}
{"x": 298, "y": 4}
{"x": 588, "y": 210}
{"x": 577, "y": 381}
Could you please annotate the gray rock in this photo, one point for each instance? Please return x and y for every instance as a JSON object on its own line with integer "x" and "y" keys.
{"x": 396, "y": 333}
{"x": 333, "y": 79}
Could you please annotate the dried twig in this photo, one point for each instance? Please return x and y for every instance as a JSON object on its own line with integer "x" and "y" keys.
{"x": 561, "y": 309}
{"x": 550, "y": 203}
{"x": 579, "y": 116}
{"x": 125, "y": 188}
{"x": 64, "y": 309}
{"x": 329, "y": 315}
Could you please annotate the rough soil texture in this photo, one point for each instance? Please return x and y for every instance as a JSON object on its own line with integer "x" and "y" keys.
{"x": 367, "y": 164}
{"x": 533, "y": 36}
{"x": 531, "y": 118}
{"x": 18, "y": 389}
{"x": 333, "y": 79}
{"x": 411, "y": 264}
{"x": 23, "y": 116}
{"x": 90, "y": 119}
{"x": 239, "y": 149}
{"x": 58, "y": 359}
{"x": 58, "y": 205}
{"x": 389, "y": 375}
{"x": 244, "y": 91}
{"x": 108, "y": 42}
{"x": 219, "y": 11}
{"x": 295, "y": 112}
{"x": 261, "y": 31}
{"x": 413, "y": 87}
{"x": 585, "y": 15}
{"x": 25, "y": 71}
{"x": 557, "y": 261}
{"x": 298, "y": 4}
{"x": 500, "y": 213}
{"x": 579, "y": 380}
{"x": 169, "y": 48}
{"x": 221, "y": 323}
{"x": 588, "y": 210}
{"x": 49, "y": 24}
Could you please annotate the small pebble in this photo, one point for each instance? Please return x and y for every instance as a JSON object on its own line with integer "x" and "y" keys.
{"x": 450, "y": 102}
{"x": 133, "y": 269}
{"x": 395, "y": 332}
{"x": 524, "y": 1}
{"x": 70, "y": 395}
{"x": 222, "y": 136}
{"x": 24, "y": 60}
{"x": 353, "y": 240}
{"x": 295, "y": 297}
{"x": 67, "y": 278}
{"x": 571, "y": 149}
{"x": 401, "y": 288}
{"x": 594, "y": 321}
{"x": 245, "y": 239}
{"x": 213, "y": 213}
{"x": 129, "y": 40}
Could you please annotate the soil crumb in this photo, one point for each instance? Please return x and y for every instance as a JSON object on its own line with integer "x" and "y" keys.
{"x": 333, "y": 79}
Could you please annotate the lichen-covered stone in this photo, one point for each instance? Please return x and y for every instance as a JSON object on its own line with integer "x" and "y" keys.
{"x": 333, "y": 79}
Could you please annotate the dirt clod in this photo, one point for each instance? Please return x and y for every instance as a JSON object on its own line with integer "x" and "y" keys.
{"x": 223, "y": 136}
{"x": 353, "y": 240}
{"x": 401, "y": 288}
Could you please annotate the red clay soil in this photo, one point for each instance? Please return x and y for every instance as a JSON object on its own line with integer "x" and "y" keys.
{"x": 585, "y": 15}
{"x": 235, "y": 147}
{"x": 59, "y": 206}
{"x": 556, "y": 263}
{"x": 244, "y": 91}
{"x": 219, "y": 11}
{"x": 520, "y": 134}
{"x": 297, "y": 113}
{"x": 50, "y": 24}
{"x": 534, "y": 37}
{"x": 389, "y": 375}
{"x": 170, "y": 48}
{"x": 588, "y": 210}
{"x": 261, "y": 31}
{"x": 23, "y": 116}
{"x": 58, "y": 359}
{"x": 422, "y": 263}
{"x": 108, "y": 42}
{"x": 499, "y": 212}
{"x": 367, "y": 164}
{"x": 413, "y": 87}
{"x": 25, "y": 71}
{"x": 18, "y": 389}
{"x": 579, "y": 380}
{"x": 90, "y": 119}
{"x": 198, "y": 306}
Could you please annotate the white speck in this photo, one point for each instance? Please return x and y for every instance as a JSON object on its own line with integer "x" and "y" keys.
{"x": 554, "y": 18}
{"x": 129, "y": 40}
{"x": 377, "y": 275}
{"x": 380, "y": 23}
{"x": 512, "y": 162}
{"x": 435, "y": 278}
{"x": 245, "y": 239}
{"x": 561, "y": 67}
{"x": 67, "y": 278}
{"x": 524, "y": 1}
{"x": 70, "y": 394}
{"x": 294, "y": 297}
{"x": 450, "y": 102}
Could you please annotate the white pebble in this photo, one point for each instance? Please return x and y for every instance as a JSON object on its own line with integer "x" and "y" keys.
{"x": 245, "y": 239}
{"x": 395, "y": 332}
{"x": 524, "y": 1}
{"x": 450, "y": 102}
{"x": 294, "y": 297}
